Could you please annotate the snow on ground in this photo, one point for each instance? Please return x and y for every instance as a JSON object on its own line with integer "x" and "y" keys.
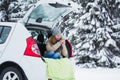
{"x": 96, "y": 73}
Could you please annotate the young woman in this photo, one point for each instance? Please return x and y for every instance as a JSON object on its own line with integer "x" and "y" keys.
{"x": 55, "y": 45}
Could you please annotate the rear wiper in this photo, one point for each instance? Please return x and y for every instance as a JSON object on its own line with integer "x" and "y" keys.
{"x": 58, "y": 5}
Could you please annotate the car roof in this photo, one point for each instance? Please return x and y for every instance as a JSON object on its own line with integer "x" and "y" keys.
{"x": 12, "y": 24}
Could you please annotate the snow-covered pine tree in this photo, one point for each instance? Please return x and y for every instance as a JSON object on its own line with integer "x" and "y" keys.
{"x": 93, "y": 34}
{"x": 12, "y": 10}
{"x": 4, "y": 4}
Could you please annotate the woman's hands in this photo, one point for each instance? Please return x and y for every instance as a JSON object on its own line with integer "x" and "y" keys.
{"x": 62, "y": 41}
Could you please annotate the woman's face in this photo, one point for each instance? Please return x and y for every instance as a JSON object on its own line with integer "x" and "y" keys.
{"x": 58, "y": 36}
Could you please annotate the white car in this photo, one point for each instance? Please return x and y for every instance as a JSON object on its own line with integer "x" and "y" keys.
{"x": 20, "y": 57}
{"x": 20, "y": 49}
{"x": 20, "y": 52}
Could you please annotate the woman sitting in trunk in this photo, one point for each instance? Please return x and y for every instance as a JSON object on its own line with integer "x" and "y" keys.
{"x": 55, "y": 45}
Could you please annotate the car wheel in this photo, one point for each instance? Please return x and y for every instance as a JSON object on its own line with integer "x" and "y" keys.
{"x": 11, "y": 73}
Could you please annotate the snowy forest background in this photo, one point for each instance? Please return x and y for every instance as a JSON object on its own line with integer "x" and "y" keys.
{"x": 93, "y": 27}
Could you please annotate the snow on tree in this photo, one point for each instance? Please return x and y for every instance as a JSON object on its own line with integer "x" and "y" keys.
{"x": 11, "y": 10}
{"x": 93, "y": 34}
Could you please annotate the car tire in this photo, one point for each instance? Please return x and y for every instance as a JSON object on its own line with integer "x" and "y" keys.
{"x": 11, "y": 73}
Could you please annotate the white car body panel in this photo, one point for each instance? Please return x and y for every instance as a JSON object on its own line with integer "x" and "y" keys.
{"x": 35, "y": 68}
{"x": 16, "y": 44}
{"x": 2, "y": 46}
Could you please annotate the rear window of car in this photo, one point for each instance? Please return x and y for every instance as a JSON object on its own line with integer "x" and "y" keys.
{"x": 48, "y": 12}
{"x": 4, "y": 32}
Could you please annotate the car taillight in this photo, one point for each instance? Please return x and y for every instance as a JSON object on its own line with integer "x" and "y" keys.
{"x": 32, "y": 48}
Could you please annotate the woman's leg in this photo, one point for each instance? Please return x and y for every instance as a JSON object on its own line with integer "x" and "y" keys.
{"x": 53, "y": 55}
{"x": 57, "y": 55}
{"x": 49, "y": 54}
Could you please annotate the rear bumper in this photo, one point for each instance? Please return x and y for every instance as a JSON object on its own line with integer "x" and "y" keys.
{"x": 34, "y": 68}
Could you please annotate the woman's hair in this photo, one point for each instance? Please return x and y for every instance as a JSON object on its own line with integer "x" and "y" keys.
{"x": 53, "y": 40}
